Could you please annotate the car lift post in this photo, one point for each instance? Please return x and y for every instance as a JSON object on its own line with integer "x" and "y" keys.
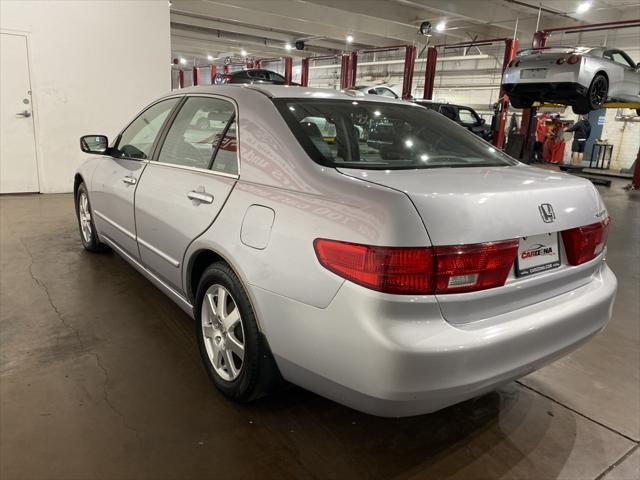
{"x": 345, "y": 71}
{"x": 180, "y": 78}
{"x": 540, "y": 41}
{"x": 304, "y": 74}
{"x": 430, "y": 73}
{"x": 195, "y": 76}
{"x": 409, "y": 65}
{"x": 511, "y": 47}
{"x": 214, "y": 72}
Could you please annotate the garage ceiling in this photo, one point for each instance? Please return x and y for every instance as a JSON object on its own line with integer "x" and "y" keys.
{"x": 222, "y": 28}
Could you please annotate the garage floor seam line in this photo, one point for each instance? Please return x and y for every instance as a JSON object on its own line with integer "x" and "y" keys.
{"x": 579, "y": 413}
{"x": 76, "y": 332}
{"x": 617, "y": 462}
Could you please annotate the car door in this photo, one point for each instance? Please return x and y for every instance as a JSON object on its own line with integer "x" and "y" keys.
{"x": 114, "y": 181}
{"x": 186, "y": 184}
{"x": 631, "y": 76}
{"x": 616, "y": 74}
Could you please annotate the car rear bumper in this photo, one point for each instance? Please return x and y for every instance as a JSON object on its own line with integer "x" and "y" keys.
{"x": 546, "y": 91}
{"x": 396, "y": 356}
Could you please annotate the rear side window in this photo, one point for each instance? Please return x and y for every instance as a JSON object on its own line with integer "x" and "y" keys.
{"x": 276, "y": 77}
{"x": 137, "y": 139}
{"x": 196, "y": 132}
{"x": 375, "y": 135}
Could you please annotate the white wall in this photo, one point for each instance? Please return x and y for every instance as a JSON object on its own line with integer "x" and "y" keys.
{"x": 94, "y": 64}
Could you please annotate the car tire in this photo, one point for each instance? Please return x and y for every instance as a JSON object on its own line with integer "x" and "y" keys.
{"x": 595, "y": 97}
{"x": 521, "y": 102}
{"x": 84, "y": 214}
{"x": 220, "y": 334}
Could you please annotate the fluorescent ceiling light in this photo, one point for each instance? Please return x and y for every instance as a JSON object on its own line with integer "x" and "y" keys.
{"x": 209, "y": 57}
{"x": 183, "y": 60}
{"x": 349, "y": 38}
{"x": 441, "y": 26}
{"x": 583, "y": 7}
{"x": 288, "y": 47}
{"x": 243, "y": 52}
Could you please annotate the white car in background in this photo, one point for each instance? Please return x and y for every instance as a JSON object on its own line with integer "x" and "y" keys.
{"x": 582, "y": 77}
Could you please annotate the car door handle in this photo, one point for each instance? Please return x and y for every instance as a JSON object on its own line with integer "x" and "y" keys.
{"x": 130, "y": 180}
{"x": 200, "y": 196}
{"x": 25, "y": 114}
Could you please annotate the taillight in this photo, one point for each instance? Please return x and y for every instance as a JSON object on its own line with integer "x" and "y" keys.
{"x": 227, "y": 78}
{"x": 561, "y": 60}
{"x": 420, "y": 270}
{"x": 573, "y": 59}
{"x": 467, "y": 268}
{"x": 585, "y": 243}
{"x": 385, "y": 269}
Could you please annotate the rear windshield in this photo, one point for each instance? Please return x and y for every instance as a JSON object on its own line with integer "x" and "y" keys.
{"x": 372, "y": 135}
{"x": 533, "y": 51}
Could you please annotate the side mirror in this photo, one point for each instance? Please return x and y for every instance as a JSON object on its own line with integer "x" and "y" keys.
{"x": 96, "y": 144}
{"x": 482, "y": 121}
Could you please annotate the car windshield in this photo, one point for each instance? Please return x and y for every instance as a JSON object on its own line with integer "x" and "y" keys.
{"x": 376, "y": 135}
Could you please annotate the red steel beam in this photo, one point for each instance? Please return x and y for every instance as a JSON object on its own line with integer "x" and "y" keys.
{"x": 288, "y": 69}
{"x": 344, "y": 71}
{"x": 430, "y": 72}
{"x": 407, "y": 74}
{"x": 353, "y": 69}
{"x": 599, "y": 26}
{"x": 511, "y": 48}
{"x": 304, "y": 72}
{"x": 195, "y": 76}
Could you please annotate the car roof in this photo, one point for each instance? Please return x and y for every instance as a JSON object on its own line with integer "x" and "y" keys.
{"x": 288, "y": 91}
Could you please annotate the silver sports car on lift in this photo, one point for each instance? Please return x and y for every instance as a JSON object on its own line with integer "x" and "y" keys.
{"x": 582, "y": 77}
{"x": 365, "y": 248}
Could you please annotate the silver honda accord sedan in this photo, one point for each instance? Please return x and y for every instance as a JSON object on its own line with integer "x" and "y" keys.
{"x": 364, "y": 248}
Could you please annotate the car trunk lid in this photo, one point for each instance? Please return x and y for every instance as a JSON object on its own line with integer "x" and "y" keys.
{"x": 488, "y": 204}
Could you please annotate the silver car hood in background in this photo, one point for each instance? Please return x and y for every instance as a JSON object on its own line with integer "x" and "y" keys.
{"x": 482, "y": 204}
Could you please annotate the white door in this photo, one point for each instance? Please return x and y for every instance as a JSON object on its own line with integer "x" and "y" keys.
{"x": 18, "y": 168}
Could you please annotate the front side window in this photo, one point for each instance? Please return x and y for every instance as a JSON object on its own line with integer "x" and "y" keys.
{"x": 373, "y": 135}
{"x": 137, "y": 139}
{"x": 196, "y": 132}
{"x": 467, "y": 116}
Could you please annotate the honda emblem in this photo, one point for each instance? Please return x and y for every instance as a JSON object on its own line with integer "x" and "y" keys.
{"x": 547, "y": 213}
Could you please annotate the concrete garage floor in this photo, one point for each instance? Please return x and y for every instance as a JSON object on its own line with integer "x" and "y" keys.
{"x": 100, "y": 378}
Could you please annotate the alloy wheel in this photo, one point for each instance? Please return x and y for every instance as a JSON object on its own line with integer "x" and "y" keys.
{"x": 599, "y": 91}
{"x": 85, "y": 217}
{"x": 223, "y": 332}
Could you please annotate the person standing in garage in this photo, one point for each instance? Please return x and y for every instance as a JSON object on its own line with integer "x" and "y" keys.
{"x": 582, "y": 130}
{"x": 541, "y": 134}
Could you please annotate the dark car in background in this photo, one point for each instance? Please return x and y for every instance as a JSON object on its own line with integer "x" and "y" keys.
{"x": 465, "y": 116}
{"x": 253, "y": 75}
